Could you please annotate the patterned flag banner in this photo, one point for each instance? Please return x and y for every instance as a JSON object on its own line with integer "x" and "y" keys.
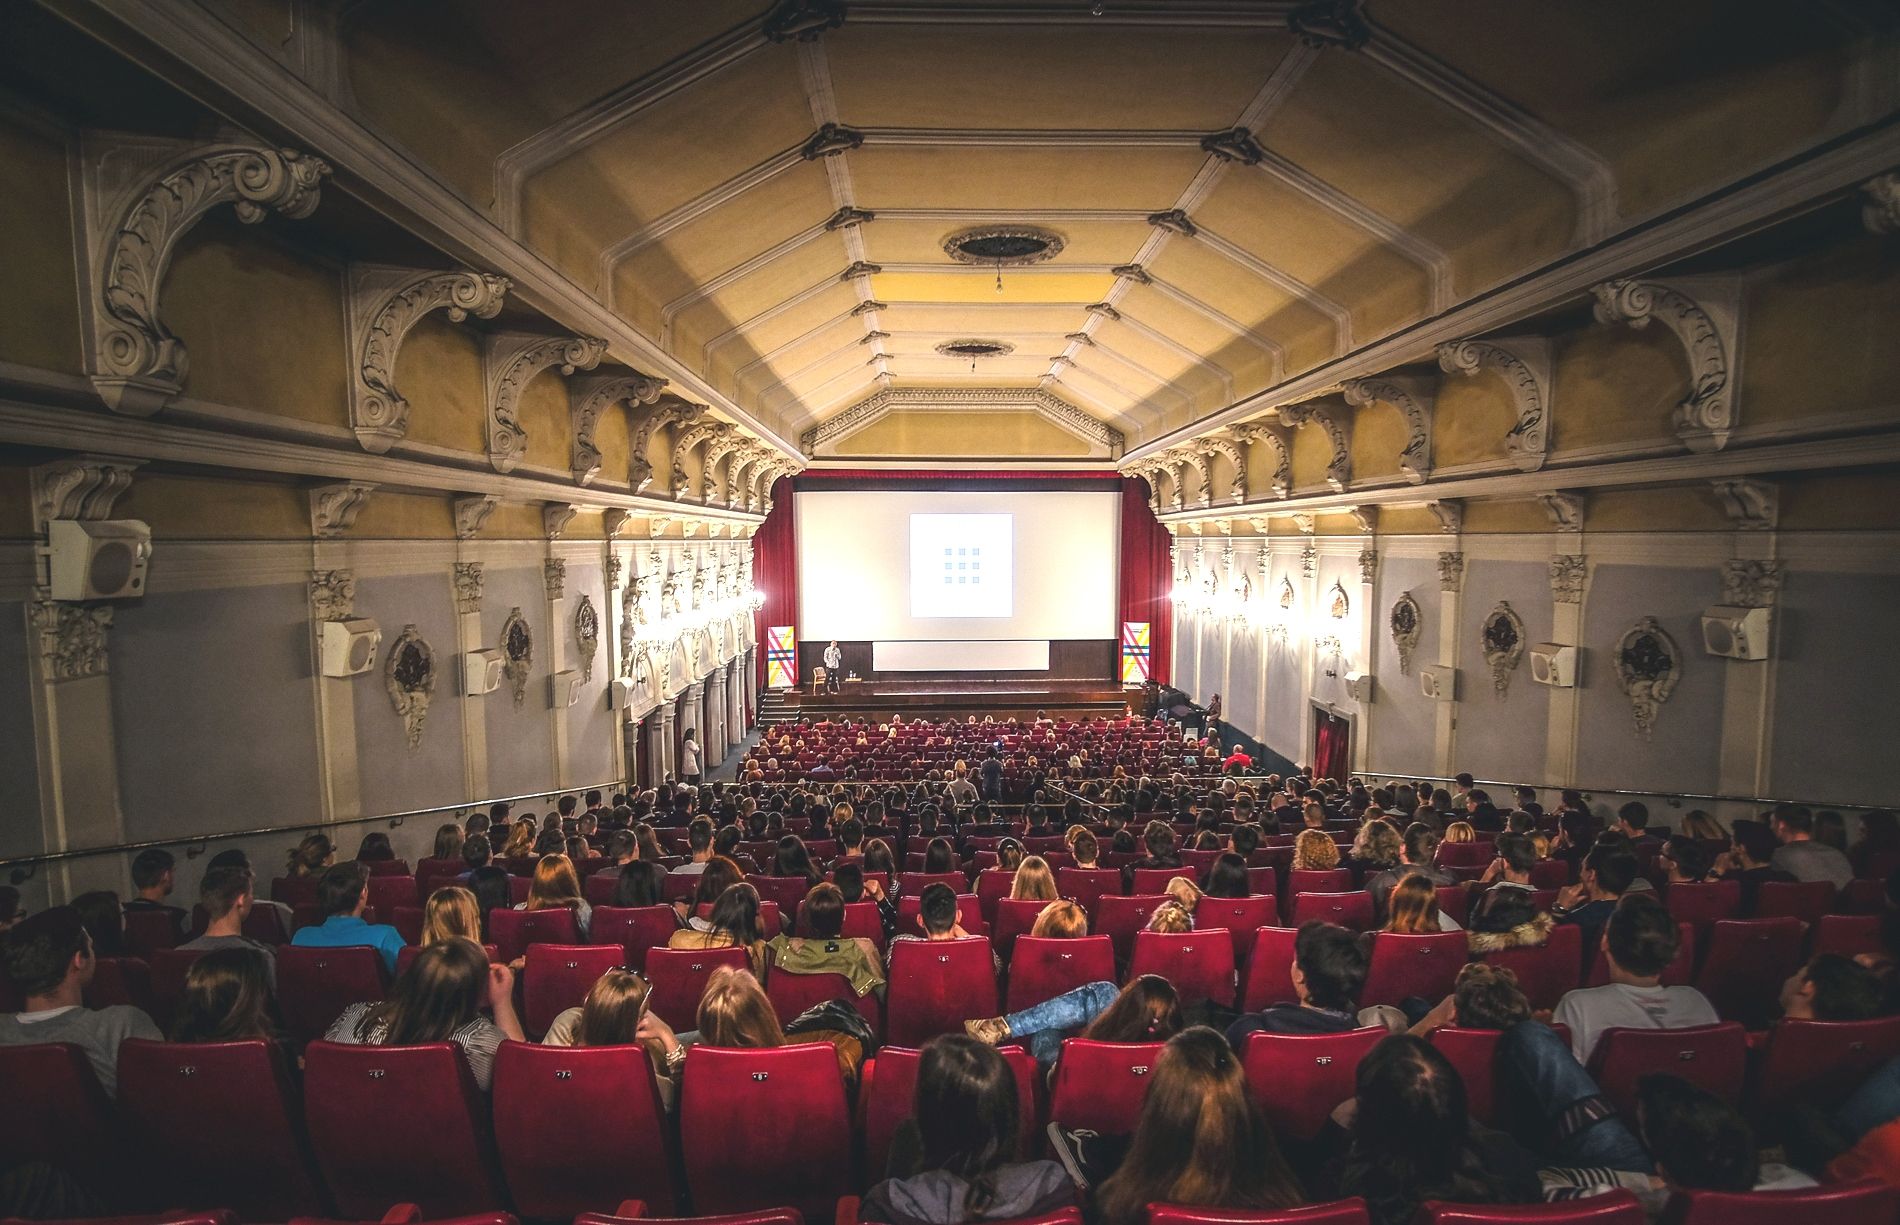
{"x": 781, "y": 657}
{"x": 1135, "y": 653}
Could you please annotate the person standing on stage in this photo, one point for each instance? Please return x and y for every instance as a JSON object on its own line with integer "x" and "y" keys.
{"x": 834, "y": 660}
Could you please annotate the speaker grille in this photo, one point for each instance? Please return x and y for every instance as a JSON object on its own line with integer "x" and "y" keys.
{"x": 113, "y": 564}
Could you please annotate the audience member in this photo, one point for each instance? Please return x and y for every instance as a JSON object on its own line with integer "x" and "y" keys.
{"x": 1804, "y": 857}
{"x": 342, "y": 896}
{"x": 1639, "y": 941}
{"x": 49, "y": 960}
{"x": 227, "y": 896}
{"x": 557, "y": 886}
{"x": 227, "y": 998}
{"x": 1329, "y": 969}
{"x": 824, "y": 949}
{"x": 733, "y": 923}
{"x": 615, "y": 1013}
{"x": 439, "y": 998}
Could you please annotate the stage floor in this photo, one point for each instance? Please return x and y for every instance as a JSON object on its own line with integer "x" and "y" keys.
{"x": 944, "y": 699}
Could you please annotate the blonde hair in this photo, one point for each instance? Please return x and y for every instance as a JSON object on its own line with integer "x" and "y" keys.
{"x": 451, "y": 913}
{"x": 1414, "y": 906}
{"x": 1061, "y": 920}
{"x": 1460, "y": 831}
{"x": 555, "y": 884}
{"x": 1315, "y": 850}
{"x": 520, "y": 840}
{"x": 1171, "y": 918}
{"x": 735, "y": 1012}
{"x": 1183, "y": 893}
{"x": 1540, "y": 842}
{"x": 1034, "y": 882}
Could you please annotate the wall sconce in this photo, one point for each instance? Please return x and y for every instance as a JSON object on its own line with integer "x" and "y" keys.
{"x": 1330, "y": 649}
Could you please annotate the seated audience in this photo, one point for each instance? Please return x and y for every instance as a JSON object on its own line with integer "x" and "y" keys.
{"x": 557, "y": 886}
{"x": 1485, "y": 997}
{"x": 734, "y": 1011}
{"x": 451, "y": 913}
{"x": 824, "y": 949}
{"x": 1750, "y": 860}
{"x": 1329, "y": 969}
{"x": 227, "y": 998}
{"x": 615, "y": 1013}
{"x": 1831, "y": 987}
{"x": 49, "y": 960}
{"x": 1412, "y": 910}
{"x": 734, "y": 923}
{"x": 1315, "y": 851}
{"x": 1034, "y": 882}
{"x": 1417, "y": 846}
{"x": 1639, "y": 942}
{"x": 1228, "y": 877}
{"x": 1061, "y": 920}
{"x": 716, "y": 876}
{"x": 793, "y": 860}
{"x": 1685, "y": 861}
{"x": 640, "y": 883}
{"x": 440, "y": 998}
{"x": 154, "y": 879}
{"x": 1802, "y": 855}
{"x": 104, "y": 917}
{"x": 342, "y": 896}
{"x": 1608, "y": 873}
{"x": 699, "y": 843}
{"x": 1146, "y": 1010}
{"x": 227, "y": 896}
{"x": 310, "y": 857}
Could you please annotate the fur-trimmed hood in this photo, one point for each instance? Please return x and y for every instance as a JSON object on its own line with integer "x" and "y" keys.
{"x": 1524, "y": 936}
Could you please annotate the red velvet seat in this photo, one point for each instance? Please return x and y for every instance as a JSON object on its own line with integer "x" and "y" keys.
{"x": 559, "y": 976}
{"x": 407, "y": 955}
{"x": 1241, "y": 916}
{"x": 408, "y": 922}
{"x": 969, "y": 915}
{"x": 580, "y": 1129}
{"x": 221, "y": 1216}
{"x": 792, "y": 994}
{"x": 1746, "y": 963}
{"x": 1119, "y": 918}
{"x": 992, "y": 886}
{"x": 1803, "y": 900}
{"x": 599, "y": 888}
{"x": 1350, "y": 910}
{"x": 636, "y": 1211}
{"x": 937, "y": 985}
{"x": 1101, "y": 1085}
{"x": 1337, "y": 1212}
{"x": 1819, "y": 1063}
{"x": 1617, "y": 1207}
{"x": 512, "y": 931}
{"x": 1474, "y": 1053}
{"x": 1711, "y": 1057}
{"x": 1014, "y": 919}
{"x": 1406, "y": 966}
{"x": 1299, "y": 1078}
{"x": 1155, "y": 880}
{"x": 399, "y": 1124}
{"x": 1546, "y": 971}
{"x": 1701, "y": 906}
{"x": 386, "y": 893}
{"x": 1677, "y": 973}
{"x": 1043, "y": 968}
{"x": 219, "y": 1124}
{"x": 787, "y": 891}
{"x": 315, "y": 985}
{"x": 1199, "y": 964}
{"x": 910, "y": 884}
{"x": 1550, "y": 874}
{"x": 1087, "y": 886}
{"x": 1465, "y": 854}
{"x": 794, "y": 1146}
{"x": 678, "y": 978}
{"x": 635, "y": 929}
{"x": 887, "y": 1090}
{"x": 1856, "y": 1203}
{"x": 147, "y": 930}
{"x": 1847, "y": 935}
{"x": 385, "y": 867}
{"x": 1269, "y": 976}
{"x": 849, "y": 1214}
{"x": 120, "y": 980}
{"x": 56, "y": 1111}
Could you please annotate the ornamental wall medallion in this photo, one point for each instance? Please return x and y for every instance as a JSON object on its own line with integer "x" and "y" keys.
{"x": 587, "y": 635}
{"x": 1648, "y": 664}
{"x": 1502, "y": 638}
{"x": 517, "y": 649}
{"x": 1339, "y": 605}
{"x": 1405, "y": 621}
{"x": 409, "y": 674}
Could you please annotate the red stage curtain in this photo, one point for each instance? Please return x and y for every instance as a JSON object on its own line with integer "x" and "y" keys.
{"x": 1147, "y": 576}
{"x": 775, "y": 568}
{"x": 1329, "y": 748}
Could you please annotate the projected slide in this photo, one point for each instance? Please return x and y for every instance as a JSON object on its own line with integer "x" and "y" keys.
{"x": 962, "y": 565}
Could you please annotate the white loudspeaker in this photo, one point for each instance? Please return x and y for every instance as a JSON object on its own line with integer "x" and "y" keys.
{"x": 1554, "y": 664}
{"x": 481, "y": 671}
{"x": 1359, "y": 686}
{"x": 564, "y": 688}
{"x": 623, "y": 692}
{"x": 1735, "y": 633}
{"x": 1439, "y": 684}
{"x": 349, "y": 647}
{"x": 101, "y": 559}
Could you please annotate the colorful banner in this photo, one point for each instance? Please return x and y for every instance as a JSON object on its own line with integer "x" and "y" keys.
{"x": 781, "y": 657}
{"x": 1135, "y": 653}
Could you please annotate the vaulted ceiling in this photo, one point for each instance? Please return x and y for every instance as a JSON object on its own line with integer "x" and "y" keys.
{"x": 1242, "y": 191}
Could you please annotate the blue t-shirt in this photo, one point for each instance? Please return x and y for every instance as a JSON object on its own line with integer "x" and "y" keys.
{"x": 349, "y": 931}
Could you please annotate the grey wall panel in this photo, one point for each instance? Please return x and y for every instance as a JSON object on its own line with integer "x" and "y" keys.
{"x": 1330, "y": 691}
{"x": 1502, "y": 737}
{"x": 1244, "y": 680}
{"x": 590, "y": 724}
{"x": 520, "y": 737}
{"x": 1285, "y": 683}
{"x": 1403, "y": 720}
{"x": 213, "y": 711}
{"x": 1836, "y": 680}
{"x": 1683, "y": 752}
{"x": 21, "y": 830}
{"x": 1213, "y": 646}
{"x": 393, "y": 776}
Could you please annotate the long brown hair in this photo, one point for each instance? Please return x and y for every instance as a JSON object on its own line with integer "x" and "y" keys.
{"x": 451, "y": 913}
{"x": 1034, "y": 882}
{"x": 226, "y": 998}
{"x": 441, "y": 991}
{"x": 556, "y": 884}
{"x": 735, "y": 1012}
{"x": 1147, "y": 1010}
{"x": 520, "y": 839}
{"x": 1200, "y": 1139}
{"x": 720, "y": 874}
{"x": 611, "y": 1014}
{"x": 1414, "y": 906}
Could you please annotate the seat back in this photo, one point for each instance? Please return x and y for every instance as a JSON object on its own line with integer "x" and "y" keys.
{"x": 1086, "y": 886}
{"x": 315, "y": 985}
{"x": 863, "y": 921}
{"x": 1299, "y": 1078}
{"x": 147, "y": 930}
{"x": 888, "y": 1091}
{"x": 1269, "y": 977}
{"x": 969, "y": 915}
{"x": 56, "y": 1111}
{"x": 1014, "y": 918}
{"x": 399, "y": 1124}
{"x": 1338, "y": 1212}
{"x": 1406, "y": 966}
{"x": 1847, "y": 934}
{"x": 1546, "y": 971}
{"x": 1043, "y": 968}
{"x": 781, "y": 1092}
{"x": 1351, "y": 910}
{"x": 1155, "y": 880}
{"x": 513, "y": 931}
{"x": 1747, "y": 962}
{"x": 581, "y": 1129}
{"x": 1711, "y": 1057}
{"x": 386, "y": 893}
{"x": 406, "y": 956}
{"x": 1806, "y": 900}
{"x": 1474, "y": 1053}
{"x": 787, "y": 891}
{"x": 910, "y": 884}
{"x": 1702, "y": 905}
{"x": 168, "y": 970}
{"x": 937, "y": 985}
{"x": 1618, "y": 1207}
{"x": 559, "y": 976}
{"x": 1101, "y": 1085}
{"x": 120, "y": 980}
{"x": 635, "y": 929}
{"x": 792, "y": 994}
{"x": 1241, "y": 916}
{"x": 1317, "y": 880}
{"x": 1854, "y": 1203}
{"x": 1820, "y": 1063}
{"x": 634, "y": 1210}
{"x": 992, "y": 886}
{"x": 217, "y": 1126}
{"x": 678, "y": 978}
{"x": 1119, "y": 918}
{"x": 1200, "y": 964}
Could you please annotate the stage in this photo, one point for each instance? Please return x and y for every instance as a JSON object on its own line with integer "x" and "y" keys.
{"x": 956, "y": 699}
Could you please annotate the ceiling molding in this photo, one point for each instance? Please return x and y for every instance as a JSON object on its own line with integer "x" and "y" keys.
{"x": 1292, "y": 286}
{"x": 1237, "y": 14}
{"x": 614, "y": 255}
{"x": 962, "y": 400}
{"x": 765, "y": 316}
{"x": 1176, "y": 294}
{"x": 709, "y": 288}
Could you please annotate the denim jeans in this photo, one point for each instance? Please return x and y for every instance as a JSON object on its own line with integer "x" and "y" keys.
{"x": 1048, "y": 1023}
{"x": 1540, "y": 1079}
{"x": 1877, "y": 1101}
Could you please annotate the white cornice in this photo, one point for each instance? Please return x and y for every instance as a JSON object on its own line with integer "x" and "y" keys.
{"x": 963, "y": 399}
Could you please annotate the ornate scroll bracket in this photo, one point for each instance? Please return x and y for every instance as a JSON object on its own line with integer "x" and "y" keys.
{"x": 1413, "y": 397}
{"x": 590, "y": 396}
{"x": 615, "y": 521}
{"x": 1218, "y": 444}
{"x": 555, "y": 516}
{"x": 1338, "y": 427}
{"x": 472, "y": 514}
{"x": 1565, "y": 510}
{"x": 1280, "y": 441}
{"x": 1368, "y": 566}
{"x": 1450, "y": 514}
{"x": 1751, "y": 583}
{"x": 1524, "y": 364}
{"x": 1179, "y": 459}
{"x": 645, "y": 422}
{"x": 334, "y": 508}
{"x": 1881, "y": 213}
{"x": 79, "y": 487}
{"x": 1567, "y": 572}
{"x": 71, "y": 639}
{"x": 140, "y": 196}
{"x": 723, "y": 443}
{"x": 1648, "y": 664}
{"x": 383, "y": 304}
{"x": 509, "y": 363}
{"x": 1753, "y": 506}
{"x": 1705, "y": 315}
{"x": 688, "y": 440}
{"x": 1502, "y": 640}
{"x": 1451, "y": 570}
{"x": 468, "y": 587}
{"x": 332, "y": 595}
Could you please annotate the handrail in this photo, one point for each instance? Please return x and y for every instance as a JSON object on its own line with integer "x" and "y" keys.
{"x": 22, "y": 867}
{"x": 1672, "y": 796}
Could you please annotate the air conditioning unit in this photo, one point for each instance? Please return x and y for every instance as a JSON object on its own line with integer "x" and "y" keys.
{"x": 1359, "y": 687}
{"x": 564, "y": 688}
{"x": 623, "y": 692}
{"x": 1735, "y": 633}
{"x": 347, "y": 648}
{"x": 481, "y": 671}
{"x": 101, "y": 559}
{"x": 1439, "y": 684}
{"x": 1554, "y": 664}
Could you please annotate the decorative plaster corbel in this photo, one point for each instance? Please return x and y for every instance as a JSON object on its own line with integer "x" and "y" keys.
{"x": 615, "y": 521}
{"x": 1305, "y": 522}
{"x": 1750, "y": 505}
{"x": 554, "y": 577}
{"x": 645, "y": 422}
{"x": 1365, "y": 518}
{"x": 1338, "y": 432}
{"x": 468, "y": 587}
{"x": 1565, "y": 510}
{"x": 656, "y": 528}
{"x": 79, "y": 487}
{"x": 71, "y": 638}
{"x": 588, "y": 398}
{"x": 555, "y": 517}
{"x": 1175, "y": 221}
{"x": 509, "y": 362}
{"x": 1451, "y": 570}
{"x": 1751, "y": 582}
{"x": 684, "y": 445}
{"x": 471, "y": 514}
{"x": 1413, "y": 397}
{"x": 721, "y": 444}
{"x": 334, "y": 508}
{"x": 1567, "y": 573}
{"x": 1450, "y": 513}
{"x": 1524, "y": 364}
{"x": 1218, "y": 444}
{"x": 332, "y": 595}
{"x": 382, "y": 305}
{"x": 1881, "y": 213}
{"x": 1280, "y": 442}
{"x": 1705, "y": 315}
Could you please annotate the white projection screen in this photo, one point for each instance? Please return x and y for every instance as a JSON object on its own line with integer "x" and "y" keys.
{"x": 913, "y": 570}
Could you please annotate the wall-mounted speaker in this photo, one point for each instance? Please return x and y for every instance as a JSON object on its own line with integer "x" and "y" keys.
{"x": 481, "y": 671}
{"x": 1554, "y": 664}
{"x": 348, "y": 648}
{"x": 1359, "y": 687}
{"x": 1735, "y": 633}
{"x": 564, "y": 688}
{"x": 623, "y": 692}
{"x": 1438, "y": 684}
{"x": 101, "y": 559}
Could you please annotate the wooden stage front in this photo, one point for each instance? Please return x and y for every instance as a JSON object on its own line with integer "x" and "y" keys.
{"x": 947, "y": 699}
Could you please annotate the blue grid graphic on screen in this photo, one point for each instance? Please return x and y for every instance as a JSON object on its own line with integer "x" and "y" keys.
{"x": 962, "y": 565}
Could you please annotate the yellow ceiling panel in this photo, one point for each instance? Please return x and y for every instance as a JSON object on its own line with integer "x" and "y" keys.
{"x": 1163, "y": 359}
{"x": 914, "y": 240}
{"x": 1023, "y": 364}
{"x": 820, "y": 344}
{"x": 996, "y": 178}
{"x": 1020, "y": 285}
{"x": 977, "y": 319}
{"x": 1316, "y": 244}
{"x": 782, "y": 278}
{"x": 1423, "y": 166}
{"x": 1250, "y": 365}
{"x": 704, "y": 322}
{"x": 1026, "y": 76}
{"x": 844, "y": 362}
{"x": 1304, "y": 332}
